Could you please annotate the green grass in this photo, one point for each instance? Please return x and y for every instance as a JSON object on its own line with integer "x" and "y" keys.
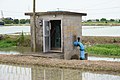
{"x": 13, "y": 41}
{"x": 104, "y": 49}
{"x": 7, "y": 43}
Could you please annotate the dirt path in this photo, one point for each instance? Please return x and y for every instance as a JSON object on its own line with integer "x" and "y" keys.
{"x": 49, "y": 62}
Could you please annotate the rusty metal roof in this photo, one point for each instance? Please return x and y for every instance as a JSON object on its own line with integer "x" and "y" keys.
{"x": 57, "y": 13}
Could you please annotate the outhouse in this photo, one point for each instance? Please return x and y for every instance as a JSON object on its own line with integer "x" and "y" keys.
{"x": 56, "y": 31}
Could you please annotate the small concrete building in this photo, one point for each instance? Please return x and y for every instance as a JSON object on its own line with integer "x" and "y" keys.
{"x": 56, "y": 31}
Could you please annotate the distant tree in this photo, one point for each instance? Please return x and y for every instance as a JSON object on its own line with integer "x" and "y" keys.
{"x": 8, "y": 20}
{"x": 119, "y": 21}
{"x": 97, "y": 20}
{"x": 89, "y": 20}
{"x": 112, "y": 20}
{"x": 103, "y": 20}
{"x": 16, "y": 21}
{"x": 22, "y": 21}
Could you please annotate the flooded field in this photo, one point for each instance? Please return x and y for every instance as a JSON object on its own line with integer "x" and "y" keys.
{"x": 13, "y": 72}
{"x": 25, "y": 72}
{"x": 86, "y": 30}
{"x": 101, "y": 31}
{"x": 17, "y": 50}
{"x": 14, "y": 29}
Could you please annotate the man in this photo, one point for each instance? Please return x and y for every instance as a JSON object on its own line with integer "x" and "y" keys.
{"x": 82, "y": 52}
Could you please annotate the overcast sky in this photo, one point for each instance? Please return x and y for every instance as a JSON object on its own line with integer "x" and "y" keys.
{"x": 109, "y": 9}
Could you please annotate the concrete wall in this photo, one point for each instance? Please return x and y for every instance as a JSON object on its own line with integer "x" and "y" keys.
{"x": 71, "y": 29}
{"x": 39, "y": 34}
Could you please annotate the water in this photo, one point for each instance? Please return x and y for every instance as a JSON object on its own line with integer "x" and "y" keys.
{"x": 17, "y": 50}
{"x": 24, "y": 72}
{"x": 9, "y": 52}
{"x": 14, "y": 29}
{"x": 86, "y": 30}
{"x": 101, "y": 31}
{"x": 9, "y": 72}
{"x": 103, "y": 59}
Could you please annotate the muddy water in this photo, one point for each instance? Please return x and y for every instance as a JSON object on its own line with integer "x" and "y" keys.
{"x": 17, "y": 50}
{"x": 24, "y": 72}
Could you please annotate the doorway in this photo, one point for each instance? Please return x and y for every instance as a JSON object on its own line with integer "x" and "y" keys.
{"x": 55, "y": 34}
{"x": 52, "y": 36}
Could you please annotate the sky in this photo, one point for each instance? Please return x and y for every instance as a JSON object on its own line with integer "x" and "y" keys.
{"x": 95, "y": 9}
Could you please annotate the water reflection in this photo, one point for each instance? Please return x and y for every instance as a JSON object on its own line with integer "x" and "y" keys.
{"x": 16, "y": 50}
{"x": 9, "y": 52}
{"x": 15, "y": 72}
{"x": 103, "y": 58}
{"x": 56, "y": 74}
{"x": 8, "y": 72}
{"x": 93, "y": 76}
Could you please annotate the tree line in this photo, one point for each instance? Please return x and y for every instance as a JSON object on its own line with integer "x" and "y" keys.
{"x": 103, "y": 20}
{"x": 16, "y": 21}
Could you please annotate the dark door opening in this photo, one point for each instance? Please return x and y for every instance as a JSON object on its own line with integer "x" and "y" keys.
{"x": 55, "y": 34}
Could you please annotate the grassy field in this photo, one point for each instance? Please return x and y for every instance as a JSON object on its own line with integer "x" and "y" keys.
{"x": 104, "y": 49}
{"x": 12, "y": 41}
{"x": 102, "y": 46}
{"x": 8, "y": 42}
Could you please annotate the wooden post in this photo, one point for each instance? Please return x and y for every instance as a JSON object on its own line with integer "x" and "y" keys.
{"x": 34, "y": 28}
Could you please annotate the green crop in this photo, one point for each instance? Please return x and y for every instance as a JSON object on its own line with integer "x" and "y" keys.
{"x": 104, "y": 49}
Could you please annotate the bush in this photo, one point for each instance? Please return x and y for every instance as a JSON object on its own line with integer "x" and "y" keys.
{"x": 23, "y": 40}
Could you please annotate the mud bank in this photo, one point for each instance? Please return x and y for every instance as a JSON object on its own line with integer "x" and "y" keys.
{"x": 100, "y": 40}
{"x": 59, "y": 63}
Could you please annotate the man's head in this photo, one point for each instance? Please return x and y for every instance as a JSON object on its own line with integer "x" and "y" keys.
{"x": 78, "y": 39}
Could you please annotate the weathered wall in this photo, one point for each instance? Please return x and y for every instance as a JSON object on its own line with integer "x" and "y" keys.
{"x": 39, "y": 34}
{"x": 72, "y": 29}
